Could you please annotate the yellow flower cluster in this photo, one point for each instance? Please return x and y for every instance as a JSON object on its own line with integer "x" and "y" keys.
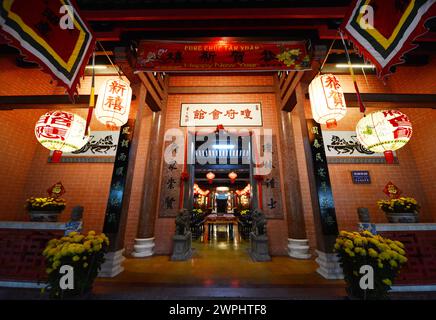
{"x": 75, "y": 247}
{"x": 43, "y": 203}
{"x": 384, "y": 251}
{"x": 402, "y": 204}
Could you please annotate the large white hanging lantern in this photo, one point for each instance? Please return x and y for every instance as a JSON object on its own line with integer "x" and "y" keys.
{"x": 61, "y": 131}
{"x": 327, "y": 100}
{"x": 384, "y": 131}
{"x": 113, "y": 103}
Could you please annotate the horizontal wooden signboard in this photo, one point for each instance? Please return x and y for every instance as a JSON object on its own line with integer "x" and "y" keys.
{"x": 226, "y": 114}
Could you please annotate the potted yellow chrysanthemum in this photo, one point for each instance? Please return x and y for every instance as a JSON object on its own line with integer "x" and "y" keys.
{"x": 85, "y": 254}
{"x": 400, "y": 210}
{"x": 45, "y": 209}
{"x": 385, "y": 256}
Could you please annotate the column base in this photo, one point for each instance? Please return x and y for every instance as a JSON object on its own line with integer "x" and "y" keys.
{"x": 298, "y": 248}
{"x": 112, "y": 266}
{"x": 143, "y": 247}
{"x": 329, "y": 266}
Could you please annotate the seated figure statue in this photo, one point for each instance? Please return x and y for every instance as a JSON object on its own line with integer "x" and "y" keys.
{"x": 75, "y": 223}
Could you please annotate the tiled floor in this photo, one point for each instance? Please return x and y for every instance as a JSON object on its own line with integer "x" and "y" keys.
{"x": 223, "y": 269}
{"x": 218, "y": 270}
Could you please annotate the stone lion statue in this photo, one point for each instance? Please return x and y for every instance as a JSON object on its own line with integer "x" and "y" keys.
{"x": 259, "y": 223}
{"x": 183, "y": 222}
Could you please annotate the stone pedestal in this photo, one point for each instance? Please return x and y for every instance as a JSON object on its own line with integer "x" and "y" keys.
{"x": 367, "y": 226}
{"x": 182, "y": 247}
{"x": 112, "y": 266}
{"x": 329, "y": 266}
{"x": 298, "y": 248}
{"x": 259, "y": 250}
{"x": 143, "y": 248}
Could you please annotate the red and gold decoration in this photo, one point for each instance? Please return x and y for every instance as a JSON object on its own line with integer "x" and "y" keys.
{"x": 61, "y": 131}
{"x": 384, "y": 131}
{"x": 233, "y": 176}
{"x": 327, "y": 100}
{"x": 210, "y": 176}
{"x": 56, "y": 190}
{"x": 384, "y": 41}
{"x": 244, "y": 191}
{"x": 113, "y": 103}
{"x": 221, "y": 56}
{"x": 392, "y": 191}
{"x": 50, "y": 33}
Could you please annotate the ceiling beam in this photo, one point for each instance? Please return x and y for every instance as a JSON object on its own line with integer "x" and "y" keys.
{"x": 214, "y": 14}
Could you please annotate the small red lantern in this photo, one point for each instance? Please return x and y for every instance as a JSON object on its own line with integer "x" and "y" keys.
{"x": 232, "y": 176}
{"x": 210, "y": 176}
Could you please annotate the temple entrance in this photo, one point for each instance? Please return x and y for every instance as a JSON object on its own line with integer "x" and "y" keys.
{"x": 222, "y": 193}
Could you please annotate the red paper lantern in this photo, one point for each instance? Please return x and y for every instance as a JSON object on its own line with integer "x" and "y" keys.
{"x": 210, "y": 176}
{"x": 232, "y": 176}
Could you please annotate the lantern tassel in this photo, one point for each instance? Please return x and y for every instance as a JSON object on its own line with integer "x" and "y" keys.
{"x": 56, "y": 157}
{"x": 389, "y": 156}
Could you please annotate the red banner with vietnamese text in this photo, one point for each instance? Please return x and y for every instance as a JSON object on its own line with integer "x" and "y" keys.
{"x": 221, "y": 56}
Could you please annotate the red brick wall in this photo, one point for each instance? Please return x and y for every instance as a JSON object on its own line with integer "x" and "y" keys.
{"x": 406, "y": 175}
{"x": 417, "y": 80}
{"x": 23, "y": 81}
{"x": 16, "y": 81}
{"x": 88, "y": 184}
{"x": 18, "y": 148}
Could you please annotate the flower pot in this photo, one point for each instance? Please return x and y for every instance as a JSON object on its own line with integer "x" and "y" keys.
{"x": 402, "y": 217}
{"x": 44, "y": 216}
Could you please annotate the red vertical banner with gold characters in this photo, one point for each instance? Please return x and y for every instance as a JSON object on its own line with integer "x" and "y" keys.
{"x": 50, "y": 33}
